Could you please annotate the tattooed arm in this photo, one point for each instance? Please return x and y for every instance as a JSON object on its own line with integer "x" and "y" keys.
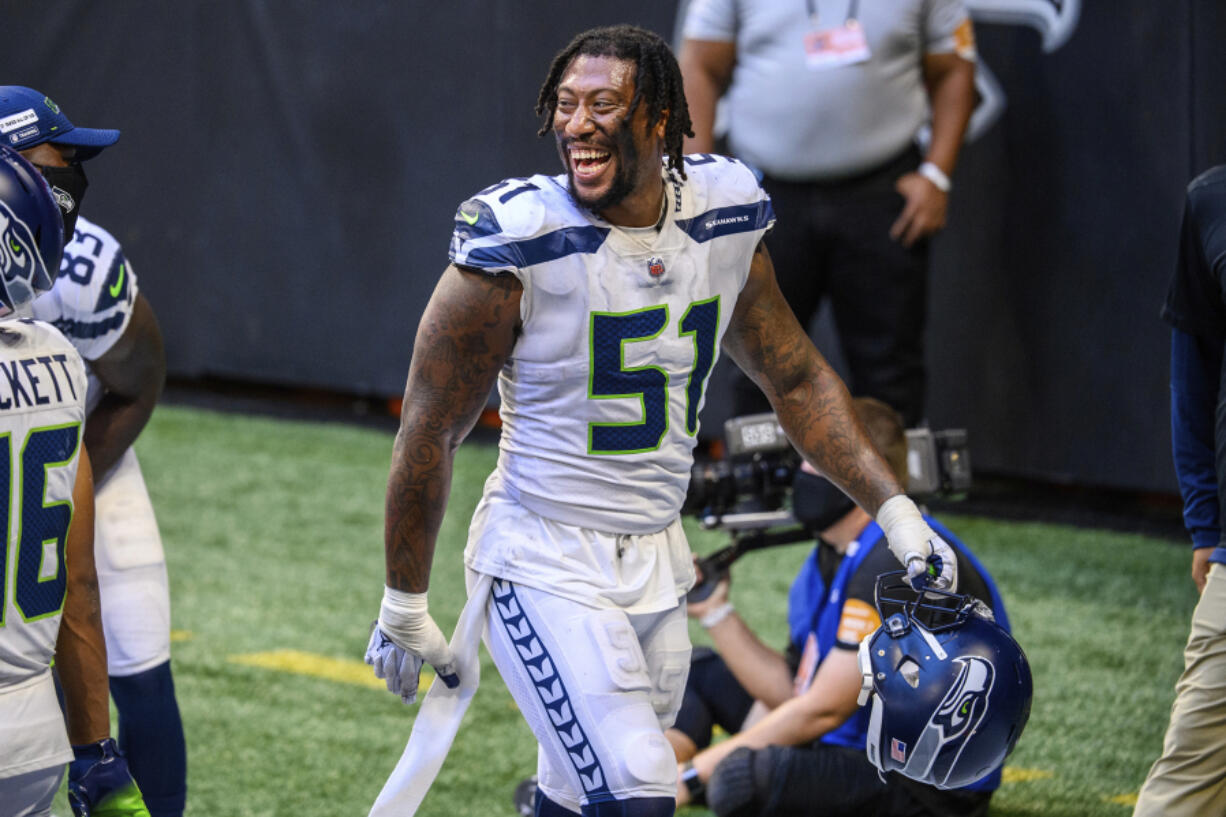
{"x": 464, "y": 337}
{"x": 767, "y": 342}
{"x": 466, "y": 334}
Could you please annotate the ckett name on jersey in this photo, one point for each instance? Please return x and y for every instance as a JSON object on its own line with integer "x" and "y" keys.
{"x": 36, "y": 382}
{"x": 621, "y": 328}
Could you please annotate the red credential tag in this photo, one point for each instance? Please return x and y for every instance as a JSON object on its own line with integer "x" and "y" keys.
{"x": 834, "y": 47}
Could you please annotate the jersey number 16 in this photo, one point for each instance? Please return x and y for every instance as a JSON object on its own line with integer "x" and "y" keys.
{"x": 37, "y": 573}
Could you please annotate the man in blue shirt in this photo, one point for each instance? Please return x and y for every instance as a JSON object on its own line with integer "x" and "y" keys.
{"x": 799, "y": 742}
{"x": 1190, "y": 776}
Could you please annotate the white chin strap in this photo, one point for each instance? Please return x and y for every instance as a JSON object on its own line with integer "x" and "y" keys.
{"x": 872, "y": 746}
{"x": 866, "y": 670}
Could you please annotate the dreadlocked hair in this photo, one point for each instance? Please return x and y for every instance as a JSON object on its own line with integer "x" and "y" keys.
{"x": 657, "y": 81}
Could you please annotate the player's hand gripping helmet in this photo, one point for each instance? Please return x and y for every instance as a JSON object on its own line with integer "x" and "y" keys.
{"x": 949, "y": 698}
{"x": 31, "y": 233}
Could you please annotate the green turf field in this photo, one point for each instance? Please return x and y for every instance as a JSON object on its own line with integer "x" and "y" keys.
{"x": 273, "y": 533}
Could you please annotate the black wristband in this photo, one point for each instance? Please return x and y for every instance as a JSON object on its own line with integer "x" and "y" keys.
{"x": 695, "y": 786}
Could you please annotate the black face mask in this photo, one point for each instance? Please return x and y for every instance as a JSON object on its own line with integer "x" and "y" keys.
{"x": 816, "y": 502}
{"x": 68, "y": 186}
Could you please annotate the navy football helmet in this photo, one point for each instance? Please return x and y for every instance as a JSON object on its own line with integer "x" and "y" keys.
{"x": 31, "y": 233}
{"x": 950, "y": 688}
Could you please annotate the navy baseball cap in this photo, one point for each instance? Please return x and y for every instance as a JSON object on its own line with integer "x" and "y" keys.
{"x": 29, "y": 118}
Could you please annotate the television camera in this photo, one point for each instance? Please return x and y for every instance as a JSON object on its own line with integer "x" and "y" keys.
{"x": 762, "y": 496}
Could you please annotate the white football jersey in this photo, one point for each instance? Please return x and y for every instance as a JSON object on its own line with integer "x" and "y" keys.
{"x": 42, "y": 414}
{"x": 42, "y": 409}
{"x": 621, "y": 329}
{"x": 91, "y": 302}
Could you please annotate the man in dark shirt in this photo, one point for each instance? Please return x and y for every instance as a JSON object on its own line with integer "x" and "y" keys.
{"x": 1190, "y": 776}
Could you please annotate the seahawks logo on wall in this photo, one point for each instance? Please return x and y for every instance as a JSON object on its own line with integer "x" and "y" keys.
{"x": 20, "y": 264}
{"x": 1055, "y": 20}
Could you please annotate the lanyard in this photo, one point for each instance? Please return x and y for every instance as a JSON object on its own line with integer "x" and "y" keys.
{"x": 853, "y": 6}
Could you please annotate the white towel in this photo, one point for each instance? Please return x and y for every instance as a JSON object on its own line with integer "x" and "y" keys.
{"x": 440, "y": 715}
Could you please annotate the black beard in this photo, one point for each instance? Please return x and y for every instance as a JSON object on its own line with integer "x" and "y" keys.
{"x": 623, "y": 181}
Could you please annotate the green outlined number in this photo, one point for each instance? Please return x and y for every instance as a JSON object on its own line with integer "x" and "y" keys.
{"x": 610, "y": 378}
{"x": 700, "y": 321}
{"x": 37, "y": 574}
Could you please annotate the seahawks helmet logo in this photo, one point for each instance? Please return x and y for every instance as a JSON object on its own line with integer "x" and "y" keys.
{"x": 22, "y": 273}
{"x": 967, "y": 700}
{"x": 955, "y": 720}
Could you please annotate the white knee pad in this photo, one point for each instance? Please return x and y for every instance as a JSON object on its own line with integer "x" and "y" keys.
{"x": 637, "y": 759}
{"x": 648, "y": 765}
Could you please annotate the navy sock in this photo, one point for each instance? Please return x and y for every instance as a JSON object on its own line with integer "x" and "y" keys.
{"x": 547, "y": 808}
{"x": 151, "y": 735}
{"x": 632, "y": 807}
{"x": 636, "y": 807}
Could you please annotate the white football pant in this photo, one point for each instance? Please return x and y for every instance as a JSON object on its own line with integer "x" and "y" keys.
{"x": 131, "y": 571}
{"x": 598, "y": 687}
{"x": 30, "y": 794}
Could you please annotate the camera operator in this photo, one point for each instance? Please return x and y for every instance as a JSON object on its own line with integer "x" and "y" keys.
{"x": 798, "y": 737}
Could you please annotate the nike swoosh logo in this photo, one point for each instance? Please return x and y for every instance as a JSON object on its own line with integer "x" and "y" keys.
{"x": 471, "y": 218}
{"x": 117, "y": 287}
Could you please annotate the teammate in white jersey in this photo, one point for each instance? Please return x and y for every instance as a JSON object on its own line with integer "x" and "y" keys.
{"x": 599, "y": 300}
{"x": 48, "y": 588}
{"x": 97, "y": 305}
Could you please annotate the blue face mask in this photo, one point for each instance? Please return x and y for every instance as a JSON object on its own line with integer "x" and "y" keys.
{"x": 68, "y": 186}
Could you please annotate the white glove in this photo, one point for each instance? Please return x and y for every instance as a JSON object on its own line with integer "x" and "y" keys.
{"x": 929, "y": 559}
{"x": 403, "y": 638}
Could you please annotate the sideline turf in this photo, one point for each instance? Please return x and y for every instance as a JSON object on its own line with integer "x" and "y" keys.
{"x": 273, "y": 533}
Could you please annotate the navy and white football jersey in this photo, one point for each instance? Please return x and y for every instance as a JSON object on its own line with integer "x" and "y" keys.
{"x": 621, "y": 329}
{"x": 91, "y": 302}
{"x": 42, "y": 414}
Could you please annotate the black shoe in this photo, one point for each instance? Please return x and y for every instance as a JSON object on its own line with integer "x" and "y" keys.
{"x": 525, "y": 797}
